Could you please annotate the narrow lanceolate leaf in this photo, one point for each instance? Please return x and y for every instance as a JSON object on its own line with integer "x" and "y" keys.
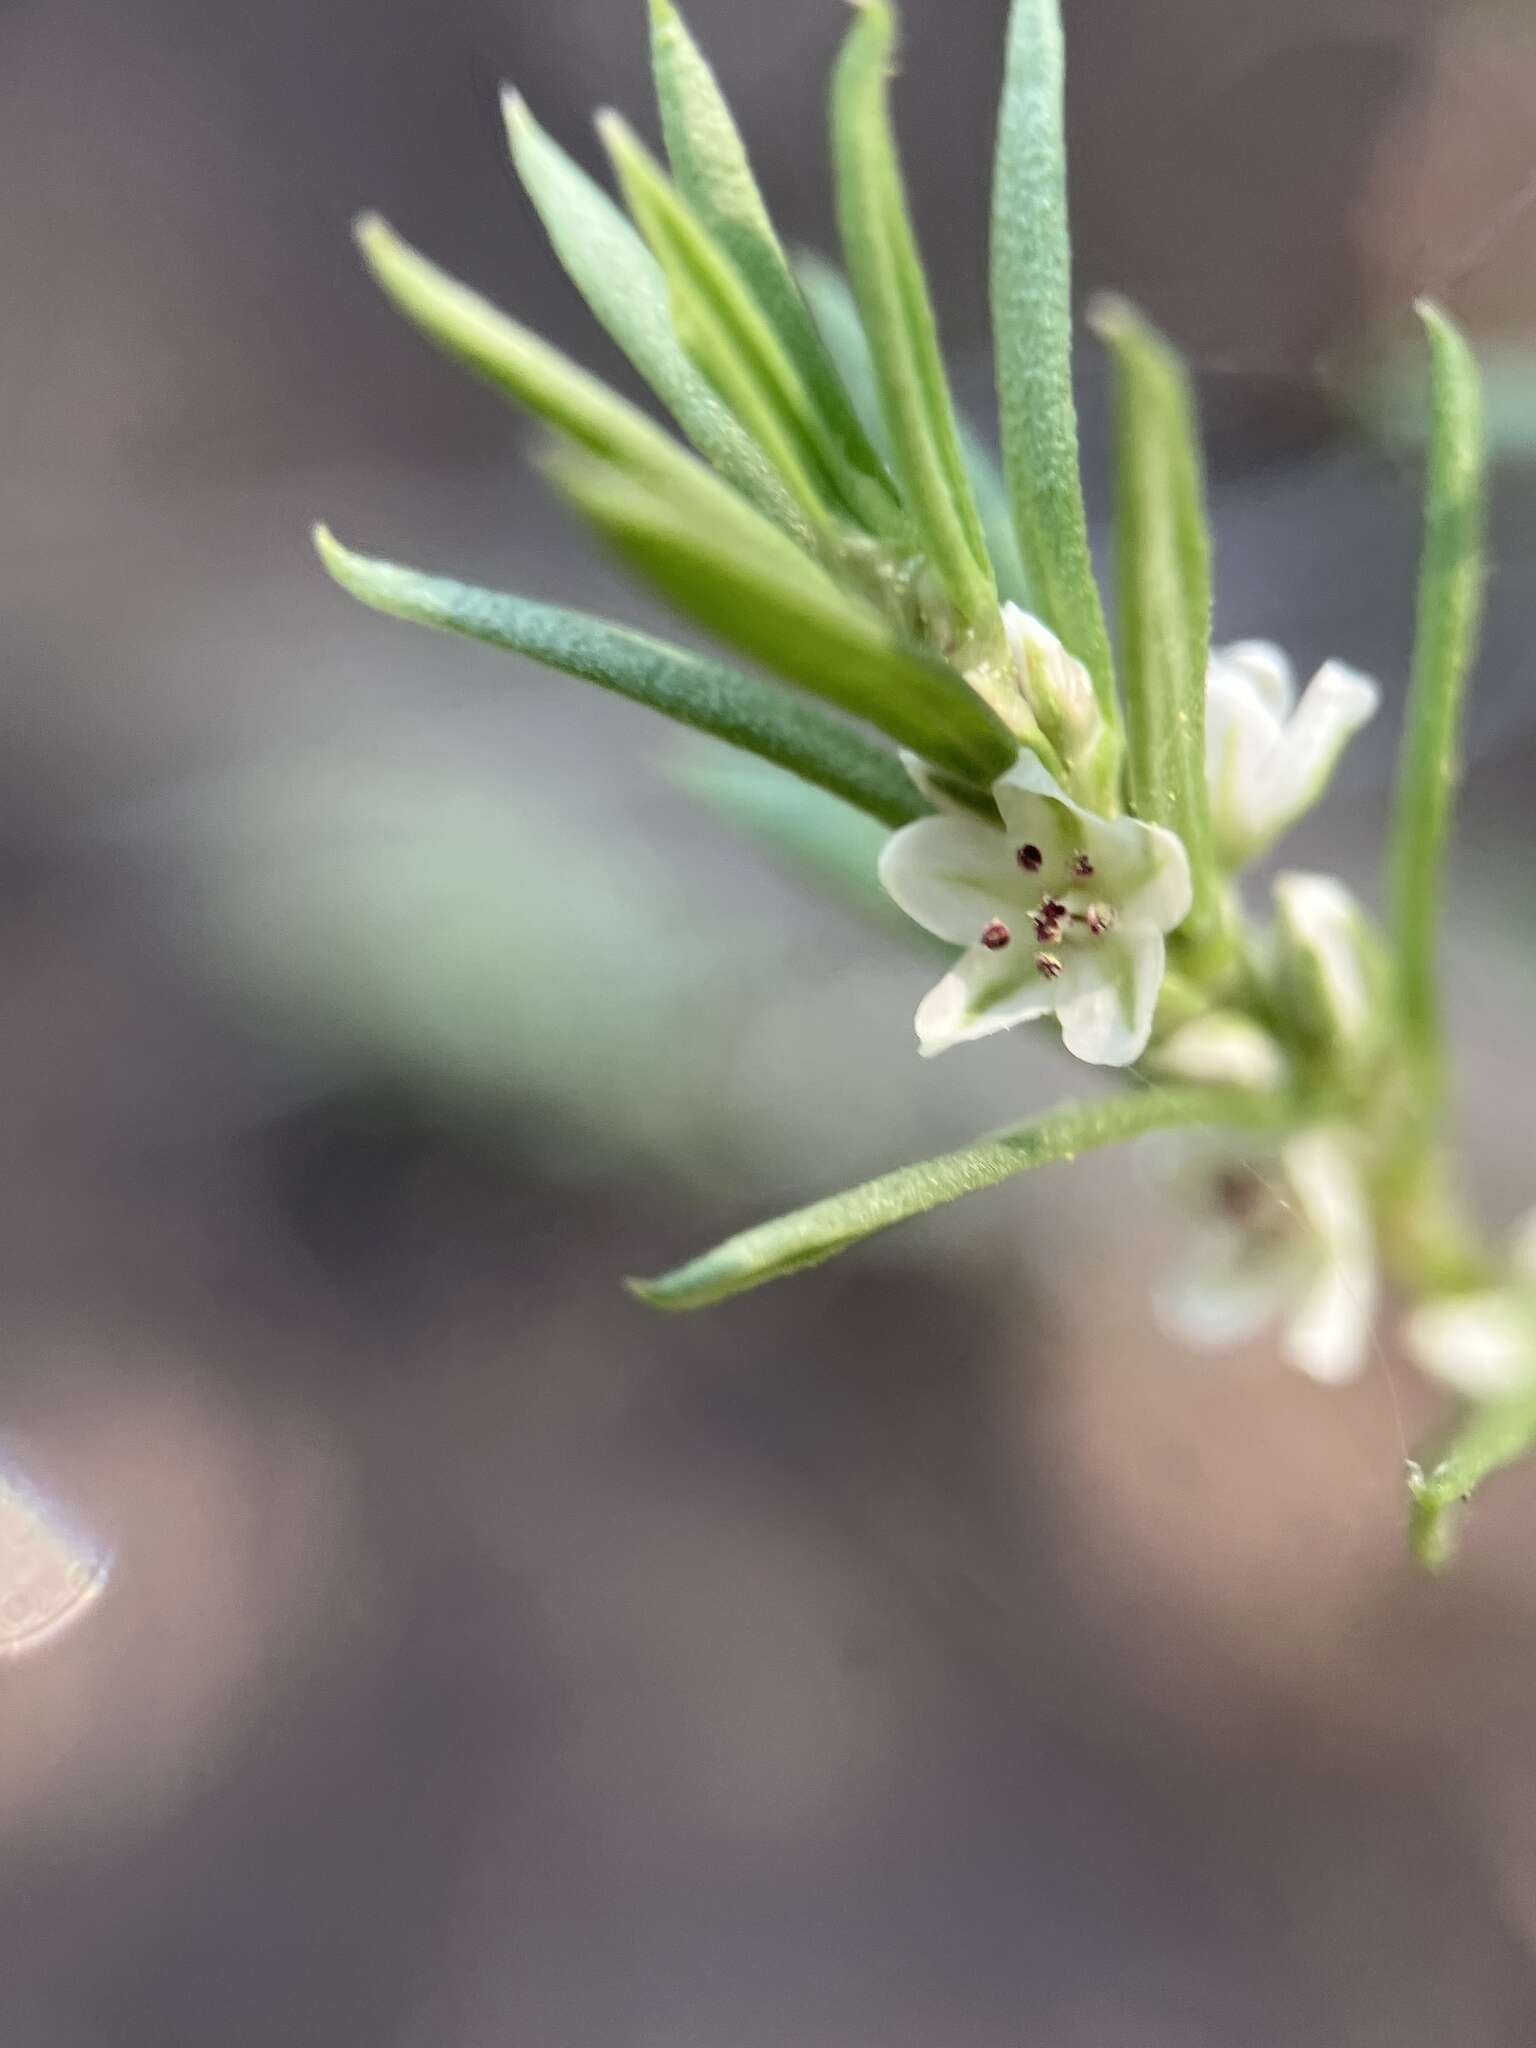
{"x": 709, "y": 162}
{"x": 527, "y": 369}
{"x": 1163, "y": 562}
{"x": 1488, "y": 1438}
{"x": 728, "y": 335}
{"x": 743, "y": 580}
{"x": 627, "y": 291}
{"x": 898, "y": 320}
{"x": 809, "y": 1236}
{"x": 1451, "y": 578}
{"x": 836, "y": 313}
{"x": 1032, "y": 319}
{"x": 749, "y": 712}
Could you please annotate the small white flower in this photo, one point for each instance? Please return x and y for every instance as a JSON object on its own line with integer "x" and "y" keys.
{"x": 1482, "y": 1344}
{"x": 1060, "y": 911}
{"x": 1268, "y": 758}
{"x": 1285, "y": 1237}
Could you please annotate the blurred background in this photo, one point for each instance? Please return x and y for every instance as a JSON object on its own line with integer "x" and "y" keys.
{"x": 924, "y": 1655}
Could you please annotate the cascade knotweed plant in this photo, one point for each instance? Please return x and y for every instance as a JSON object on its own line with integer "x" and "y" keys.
{"x": 1072, "y": 817}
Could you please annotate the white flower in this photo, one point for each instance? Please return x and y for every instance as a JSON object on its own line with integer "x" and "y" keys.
{"x": 1268, "y": 758}
{"x": 1060, "y": 911}
{"x": 1280, "y": 1237}
{"x": 1482, "y": 1344}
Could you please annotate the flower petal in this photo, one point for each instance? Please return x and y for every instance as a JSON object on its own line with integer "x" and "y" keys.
{"x": 982, "y": 994}
{"x": 1329, "y": 1335}
{"x": 1219, "y": 1293}
{"x": 953, "y": 875}
{"x": 1107, "y": 993}
{"x": 1243, "y": 732}
{"x": 1480, "y": 1344}
{"x": 1333, "y": 707}
{"x": 1265, "y": 668}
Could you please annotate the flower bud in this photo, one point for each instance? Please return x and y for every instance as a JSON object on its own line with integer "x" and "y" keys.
{"x": 1058, "y": 689}
{"x": 1329, "y": 967}
{"x": 1222, "y": 1050}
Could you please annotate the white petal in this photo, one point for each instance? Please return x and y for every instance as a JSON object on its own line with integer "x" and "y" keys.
{"x": 1333, "y": 707}
{"x": 982, "y": 994}
{"x": 1480, "y": 1344}
{"x": 1223, "y": 1050}
{"x": 1162, "y": 889}
{"x": 1266, "y": 669}
{"x": 952, "y": 875}
{"x": 1219, "y": 1294}
{"x": 1107, "y": 994}
{"x": 1330, "y": 1332}
{"x": 1243, "y": 731}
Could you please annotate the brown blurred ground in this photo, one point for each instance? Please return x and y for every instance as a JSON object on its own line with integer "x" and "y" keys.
{"x": 920, "y": 1656}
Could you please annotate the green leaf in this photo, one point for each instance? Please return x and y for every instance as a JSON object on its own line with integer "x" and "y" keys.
{"x": 898, "y": 318}
{"x": 1032, "y": 318}
{"x": 1163, "y": 559}
{"x": 747, "y": 712}
{"x": 809, "y": 1236}
{"x": 743, "y": 580}
{"x": 527, "y": 369}
{"x": 627, "y": 291}
{"x": 1451, "y": 579}
{"x": 728, "y": 335}
{"x": 1487, "y": 1439}
{"x": 709, "y": 162}
{"x": 836, "y": 313}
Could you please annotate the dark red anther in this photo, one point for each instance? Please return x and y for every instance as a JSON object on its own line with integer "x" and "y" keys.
{"x": 996, "y": 936}
{"x": 1031, "y": 859}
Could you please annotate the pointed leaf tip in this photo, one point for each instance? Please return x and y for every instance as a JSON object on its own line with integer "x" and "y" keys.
{"x": 514, "y": 111}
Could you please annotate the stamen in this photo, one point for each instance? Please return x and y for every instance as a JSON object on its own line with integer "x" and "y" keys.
{"x": 996, "y": 936}
{"x": 1099, "y": 918}
{"x": 1049, "y": 966}
{"x": 1031, "y": 859}
{"x": 1082, "y": 866}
